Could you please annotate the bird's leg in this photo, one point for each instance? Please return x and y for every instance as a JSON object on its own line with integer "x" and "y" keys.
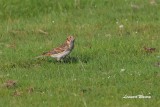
{"x": 60, "y": 59}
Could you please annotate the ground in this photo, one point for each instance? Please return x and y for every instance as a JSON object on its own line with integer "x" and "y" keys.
{"x": 116, "y": 55}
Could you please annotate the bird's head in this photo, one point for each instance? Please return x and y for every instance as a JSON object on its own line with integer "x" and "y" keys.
{"x": 70, "y": 39}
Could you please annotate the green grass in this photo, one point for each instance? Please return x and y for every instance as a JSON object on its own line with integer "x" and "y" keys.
{"x": 107, "y": 63}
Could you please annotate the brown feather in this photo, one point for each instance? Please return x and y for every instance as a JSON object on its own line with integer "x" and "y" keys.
{"x": 65, "y": 47}
{"x": 57, "y": 50}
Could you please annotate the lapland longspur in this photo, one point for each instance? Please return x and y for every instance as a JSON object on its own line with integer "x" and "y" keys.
{"x": 61, "y": 51}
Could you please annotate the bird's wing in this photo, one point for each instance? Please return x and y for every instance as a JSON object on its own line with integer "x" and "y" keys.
{"x": 57, "y": 50}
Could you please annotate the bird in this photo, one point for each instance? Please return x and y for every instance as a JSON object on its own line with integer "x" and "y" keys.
{"x": 61, "y": 51}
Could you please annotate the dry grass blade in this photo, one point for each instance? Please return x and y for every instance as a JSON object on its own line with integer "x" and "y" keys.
{"x": 157, "y": 64}
{"x": 10, "y": 83}
{"x": 42, "y": 32}
{"x": 30, "y": 89}
{"x": 17, "y": 93}
{"x": 149, "y": 50}
{"x": 17, "y": 32}
{"x": 153, "y": 2}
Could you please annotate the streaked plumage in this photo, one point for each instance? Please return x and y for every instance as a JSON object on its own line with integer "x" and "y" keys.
{"x": 61, "y": 51}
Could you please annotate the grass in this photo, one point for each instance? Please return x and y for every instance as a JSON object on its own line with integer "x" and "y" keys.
{"x": 108, "y": 61}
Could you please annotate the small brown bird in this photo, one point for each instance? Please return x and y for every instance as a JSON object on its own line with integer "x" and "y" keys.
{"x": 61, "y": 51}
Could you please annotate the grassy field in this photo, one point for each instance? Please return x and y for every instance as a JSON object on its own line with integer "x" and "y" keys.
{"x": 108, "y": 62}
